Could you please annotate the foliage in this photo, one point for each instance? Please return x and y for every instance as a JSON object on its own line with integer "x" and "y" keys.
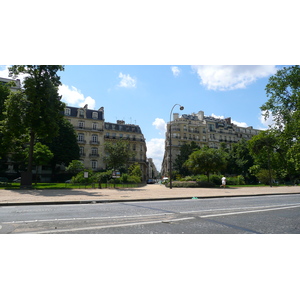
{"x": 118, "y": 154}
{"x": 35, "y": 110}
{"x": 64, "y": 146}
{"x": 41, "y": 154}
{"x": 75, "y": 166}
{"x": 263, "y": 176}
{"x": 135, "y": 170}
{"x": 283, "y": 105}
{"x": 80, "y": 177}
{"x": 206, "y": 160}
{"x": 185, "y": 151}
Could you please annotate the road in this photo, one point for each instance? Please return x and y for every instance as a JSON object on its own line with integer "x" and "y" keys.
{"x": 276, "y": 214}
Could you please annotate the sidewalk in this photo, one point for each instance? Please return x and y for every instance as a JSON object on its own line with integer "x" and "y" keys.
{"x": 148, "y": 192}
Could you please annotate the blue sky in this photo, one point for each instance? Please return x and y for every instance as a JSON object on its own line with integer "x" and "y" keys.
{"x": 145, "y": 95}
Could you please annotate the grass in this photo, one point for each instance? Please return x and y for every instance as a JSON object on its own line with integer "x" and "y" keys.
{"x": 43, "y": 186}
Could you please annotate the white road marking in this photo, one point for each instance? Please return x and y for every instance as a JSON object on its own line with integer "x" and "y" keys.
{"x": 107, "y": 226}
{"x": 249, "y": 211}
{"x": 83, "y": 219}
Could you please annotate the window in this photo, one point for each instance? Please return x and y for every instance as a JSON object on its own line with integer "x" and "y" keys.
{"x": 81, "y": 113}
{"x": 81, "y": 150}
{"x": 95, "y": 115}
{"x": 94, "y": 164}
{"x": 95, "y": 125}
{"x": 95, "y": 138}
{"x": 80, "y": 137}
{"x": 67, "y": 111}
{"x": 94, "y": 151}
{"x": 81, "y": 124}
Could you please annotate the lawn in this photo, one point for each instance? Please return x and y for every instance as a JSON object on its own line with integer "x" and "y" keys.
{"x": 42, "y": 186}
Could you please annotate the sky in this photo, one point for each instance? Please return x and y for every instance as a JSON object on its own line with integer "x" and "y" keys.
{"x": 145, "y": 94}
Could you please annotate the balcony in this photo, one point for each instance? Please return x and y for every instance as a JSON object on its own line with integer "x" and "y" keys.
{"x": 81, "y": 141}
{"x": 94, "y": 155}
{"x": 94, "y": 143}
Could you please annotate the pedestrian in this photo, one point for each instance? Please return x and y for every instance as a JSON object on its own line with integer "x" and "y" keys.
{"x": 223, "y": 182}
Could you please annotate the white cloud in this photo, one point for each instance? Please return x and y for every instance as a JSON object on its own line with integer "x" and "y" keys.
{"x": 155, "y": 150}
{"x": 269, "y": 122}
{"x": 160, "y": 125}
{"x": 4, "y": 71}
{"x": 127, "y": 81}
{"x": 226, "y": 78}
{"x": 176, "y": 71}
{"x": 73, "y": 97}
{"x": 240, "y": 124}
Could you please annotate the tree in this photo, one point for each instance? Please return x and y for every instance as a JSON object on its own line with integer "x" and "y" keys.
{"x": 283, "y": 91}
{"x": 118, "y": 154}
{"x": 4, "y": 93}
{"x": 35, "y": 109}
{"x": 41, "y": 156}
{"x": 206, "y": 160}
{"x": 135, "y": 170}
{"x": 185, "y": 151}
{"x": 240, "y": 159}
{"x": 75, "y": 166}
{"x": 262, "y": 147}
{"x": 64, "y": 146}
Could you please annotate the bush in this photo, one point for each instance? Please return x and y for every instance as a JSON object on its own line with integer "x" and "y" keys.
{"x": 205, "y": 184}
{"x": 183, "y": 184}
{"x": 263, "y": 176}
{"x": 216, "y": 179}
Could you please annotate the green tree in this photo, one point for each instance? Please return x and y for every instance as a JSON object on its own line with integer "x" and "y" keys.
{"x": 185, "y": 151}
{"x": 262, "y": 148}
{"x": 240, "y": 160}
{"x": 135, "y": 170}
{"x": 35, "y": 109}
{"x": 4, "y": 93}
{"x": 64, "y": 146}
{"x": 118, "y": 154}
{"x": 206, "y": 160}
{"x": 41, "y": 156}
{"x": 283, "y": 91}
{"x": 75, "y": 166}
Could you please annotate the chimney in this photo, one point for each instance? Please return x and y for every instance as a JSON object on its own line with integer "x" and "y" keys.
{"x": 201, "y": 115}
{"x": 175, "y": 116}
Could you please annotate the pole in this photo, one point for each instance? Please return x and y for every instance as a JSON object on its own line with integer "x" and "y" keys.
{"x": 170, "y": 144}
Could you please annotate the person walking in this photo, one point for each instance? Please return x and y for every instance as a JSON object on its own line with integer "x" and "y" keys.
{"x": 223, "y": 182}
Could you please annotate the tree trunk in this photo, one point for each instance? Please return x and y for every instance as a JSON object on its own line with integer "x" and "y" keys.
{"x": 28, "y": 180}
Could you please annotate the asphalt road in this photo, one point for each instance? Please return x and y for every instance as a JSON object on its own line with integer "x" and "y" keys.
{"x": 276, "y": 214}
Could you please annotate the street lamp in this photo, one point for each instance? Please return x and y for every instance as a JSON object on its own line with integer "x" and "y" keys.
{"x": 170, "y": 141}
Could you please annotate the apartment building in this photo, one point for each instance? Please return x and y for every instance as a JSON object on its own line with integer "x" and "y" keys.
{"x": 13, "y": 88}
{"x": 92, "y": 132}
{"x": 133, "y": 134}
{"x": 204, "y": 131}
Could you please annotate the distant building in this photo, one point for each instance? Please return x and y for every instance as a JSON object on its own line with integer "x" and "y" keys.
{"x": 13, "y": 88}
{"x": 92, "y": 132}
{"x": 204, "y": 131}
{"x": 152, "y": 171}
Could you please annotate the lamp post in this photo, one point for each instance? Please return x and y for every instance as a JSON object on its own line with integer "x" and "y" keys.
{"x": 170, "y": 141}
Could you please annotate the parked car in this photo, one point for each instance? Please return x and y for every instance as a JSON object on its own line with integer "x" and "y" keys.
{"x": 17, "y": 179}
{"x": 150, "y": 181}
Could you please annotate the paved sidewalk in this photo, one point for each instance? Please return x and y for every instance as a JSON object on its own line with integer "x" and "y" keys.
{"x": 148, "y": 192}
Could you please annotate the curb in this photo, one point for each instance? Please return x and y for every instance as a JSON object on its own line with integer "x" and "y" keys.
{"x": 135, "y": 200}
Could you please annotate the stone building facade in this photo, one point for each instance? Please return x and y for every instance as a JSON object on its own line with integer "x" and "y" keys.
{"x": 92, "y": 132}
{"x": 204, "y": 131}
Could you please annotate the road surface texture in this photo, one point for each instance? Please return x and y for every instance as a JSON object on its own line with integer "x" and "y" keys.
{"x": 269, "y": 214}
